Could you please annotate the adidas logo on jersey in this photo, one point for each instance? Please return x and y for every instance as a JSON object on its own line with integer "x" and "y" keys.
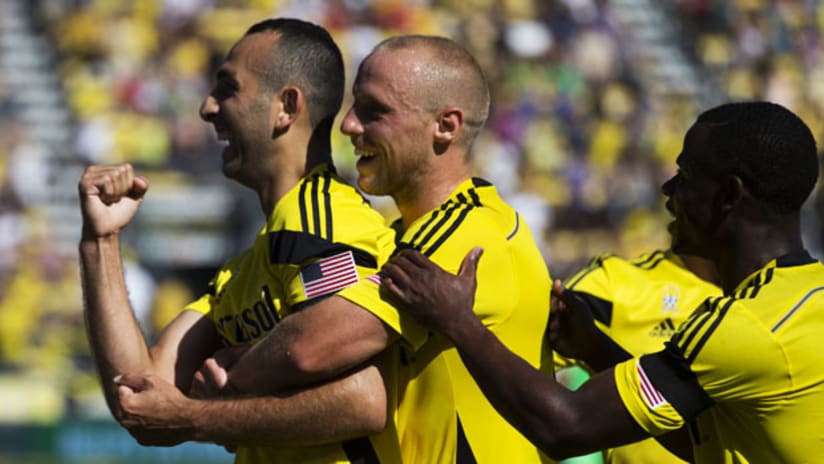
{"x": 665, "y": 329}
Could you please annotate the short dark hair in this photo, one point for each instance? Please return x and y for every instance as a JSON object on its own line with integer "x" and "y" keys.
{"x": 770, "y": 148}
{"x": 305, "y": 56}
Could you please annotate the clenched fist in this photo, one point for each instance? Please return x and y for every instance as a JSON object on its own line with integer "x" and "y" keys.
{"x": 109, "y": 198}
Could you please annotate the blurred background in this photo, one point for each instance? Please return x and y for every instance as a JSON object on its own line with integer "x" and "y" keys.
{"x": 591, "y": 99}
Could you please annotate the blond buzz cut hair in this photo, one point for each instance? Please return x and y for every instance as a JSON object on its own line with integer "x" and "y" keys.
{"x": 451, "y": 77}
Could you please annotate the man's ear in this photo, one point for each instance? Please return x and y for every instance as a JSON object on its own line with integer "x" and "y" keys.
{"x": 731, "y": 193}
{"x": 287, "y": 107}
{"x": 448, "y": 125}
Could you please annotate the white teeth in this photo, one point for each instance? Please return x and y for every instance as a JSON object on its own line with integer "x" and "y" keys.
{"x": 364, "y": 153}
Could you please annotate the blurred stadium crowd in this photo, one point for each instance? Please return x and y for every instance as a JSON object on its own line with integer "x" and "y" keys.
{"x": 590, "y": 102}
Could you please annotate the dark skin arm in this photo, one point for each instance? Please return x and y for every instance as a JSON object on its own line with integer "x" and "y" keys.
{"x": 555, "y": 419}
{"x": 573, "y": 333}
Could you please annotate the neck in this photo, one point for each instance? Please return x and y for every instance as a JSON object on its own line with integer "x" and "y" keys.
{"x": 754, "y": 245}
{"x": 290, "y": 165}
{"x": 431, "y": 191}
{"x": 703, "y": 268}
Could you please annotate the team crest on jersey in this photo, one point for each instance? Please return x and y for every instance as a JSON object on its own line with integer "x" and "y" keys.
{"x": 669, "y": 304}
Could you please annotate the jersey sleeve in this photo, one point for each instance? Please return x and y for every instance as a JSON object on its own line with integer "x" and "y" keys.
{"x": 722, "y": 353}
{"x": 367, "y": 294}
{"x": 348, "y": 242}
{"x": 205, "y": 304}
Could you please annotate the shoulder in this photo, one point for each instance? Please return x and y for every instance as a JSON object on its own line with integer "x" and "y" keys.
{"x": 725, "y": 339}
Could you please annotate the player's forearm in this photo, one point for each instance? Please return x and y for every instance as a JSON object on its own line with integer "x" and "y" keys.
{"x": 318, "y": 343}
{"x": 347, "y": 408}
{"x": 114, "y": 335}
{"x": 555, "y": 419}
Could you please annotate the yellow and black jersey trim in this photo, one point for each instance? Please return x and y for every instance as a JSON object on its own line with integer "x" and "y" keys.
{"x": 595, "y": 263}
{"x": 669, "y": 369}
{"x": 649, "y": 261}
{"x": 516, "y": 228}
{"x": 671, "y": 375}
{"x": 600, "y": 308}
{"x": 796, "y": 307}
{"x": 291, "y": 247}
{"x": 443, "y": 222}
{"x": 315, "y": 205}
{"x": 698, "y": 329}
{"x": 752, "y": 289}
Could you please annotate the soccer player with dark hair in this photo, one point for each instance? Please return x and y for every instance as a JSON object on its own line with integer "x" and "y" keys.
{"x": 419, "y": 102}
{"x": 746, "y": 368}
{"x": 274, "y": 102}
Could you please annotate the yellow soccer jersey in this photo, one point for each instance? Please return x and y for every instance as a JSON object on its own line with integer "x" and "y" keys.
{"x": 322, "y": 236}
{"x": 443, "y": 417}
{"x": 747, "y": 367}
{"x": 639, "y": 304}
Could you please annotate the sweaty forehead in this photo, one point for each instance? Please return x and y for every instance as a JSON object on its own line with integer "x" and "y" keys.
{"x": 394, "y": 75}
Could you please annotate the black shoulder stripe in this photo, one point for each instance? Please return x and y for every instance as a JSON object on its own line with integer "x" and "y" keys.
{"x": 651, "y": 265}
{"x": 304, "y": 218}
{"x": 426, "y": 224}
{"x": 437, "y": 226}
{"x": 315, "y": 207}
{"x": 594, "y": 264}
{"x": 327, "y": 203}
{"x": 669, "y": 372}
{"x": 434, "y": 247}
{"x": 767, "y": 279}
{"x": 641, "y": 262}
{"x": 478, "y": 182}
{"x": 290, "y": 247}
{"x": 694, "y": 323}
{"x": 360, "y": 451}
{"x": 754, "y": 283}
{"x": 476, "y": 200}
{"x": 709, "y": 331}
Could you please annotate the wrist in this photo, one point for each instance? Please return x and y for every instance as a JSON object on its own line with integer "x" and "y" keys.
{"x": 197, "y": 415}
{"x": 88, "y": 234}
{"x": 91, "y": 238}
{"x": 465, "y": 329}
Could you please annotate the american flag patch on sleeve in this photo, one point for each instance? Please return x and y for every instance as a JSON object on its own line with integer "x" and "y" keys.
{"x": 329, "y": 275}
{"x": 651, "y": 395}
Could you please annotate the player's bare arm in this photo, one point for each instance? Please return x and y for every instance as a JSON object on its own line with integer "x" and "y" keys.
{"x": 314, "y": 345}
{"x": 572, "y": 332}
{"x": 554, "y": 418}
{"x": 110, "y": 197}
{"x": 352, "y": 406}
